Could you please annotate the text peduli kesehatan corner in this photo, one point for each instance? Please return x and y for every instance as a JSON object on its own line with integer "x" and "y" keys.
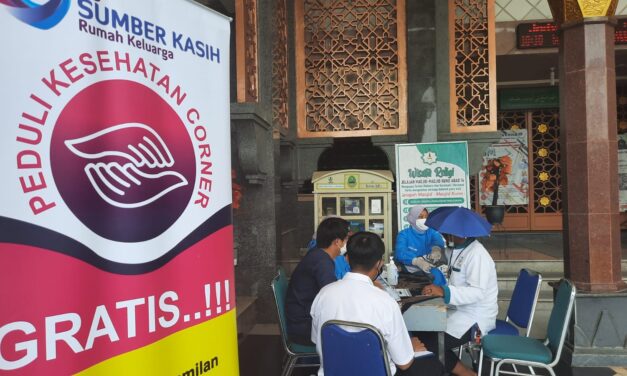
{"x": 116, "y": 235}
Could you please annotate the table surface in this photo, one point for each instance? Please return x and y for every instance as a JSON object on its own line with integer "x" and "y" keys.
{"x": 426, "y": 316}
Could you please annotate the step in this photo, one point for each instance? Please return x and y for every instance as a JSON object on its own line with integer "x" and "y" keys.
{"x": 246, "y": 315}
{"x": 507, "y": 281}
{"x": 540, "y": 266}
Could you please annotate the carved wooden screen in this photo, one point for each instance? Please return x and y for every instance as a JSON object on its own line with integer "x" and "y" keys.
{"x": 350, "y": 68}
{"x": 246, "y": 50}
{"x": 279, "y": 69}
{"x": 472, "y": 65}
{"x": 547, "y": 180}
{"x": 544, "y": 210}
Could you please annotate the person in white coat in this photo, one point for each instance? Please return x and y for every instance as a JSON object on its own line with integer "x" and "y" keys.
{"x": 471, "y": 294}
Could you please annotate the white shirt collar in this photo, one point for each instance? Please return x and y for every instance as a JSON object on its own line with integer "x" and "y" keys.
{"x": 358, "y": 277}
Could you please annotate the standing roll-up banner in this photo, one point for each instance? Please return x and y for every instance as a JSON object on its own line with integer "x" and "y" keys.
{"x": 431, "y": 175}
{"x": 116, "y": 245}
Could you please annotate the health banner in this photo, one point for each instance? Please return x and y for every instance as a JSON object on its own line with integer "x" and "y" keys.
{"x": 432, "y": 175}
{"x": 116, "y": 243}
{"x": 512, "y": 156}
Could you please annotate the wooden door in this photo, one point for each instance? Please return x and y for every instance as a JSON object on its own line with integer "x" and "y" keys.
{"x": 544, "y": 208}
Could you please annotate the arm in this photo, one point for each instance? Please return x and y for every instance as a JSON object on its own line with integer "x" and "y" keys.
{"x": 341, "y": 267}
{"x": 324, "y": 273}
{"x": 400, "y": 346}
{"x": 315, "y": 320}
{"x": 402, "y": 253}
{"x": 436, "y": 239}
{"x": 476, "y": 270}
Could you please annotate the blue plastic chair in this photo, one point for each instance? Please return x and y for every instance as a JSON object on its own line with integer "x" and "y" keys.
{"x": 522, "y": 306}
{"x": 531, "y": 352}
{"x": 293, "y": 351}
{"x": 360, "y": 350}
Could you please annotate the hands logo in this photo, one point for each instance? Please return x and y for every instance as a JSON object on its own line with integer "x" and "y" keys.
{"x": 44, "y": 16}
{"x": 113, "y": 180}
{"x": 123, "y": 161}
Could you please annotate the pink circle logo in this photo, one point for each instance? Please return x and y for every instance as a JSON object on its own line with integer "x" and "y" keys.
{"x": 122, "y": 160}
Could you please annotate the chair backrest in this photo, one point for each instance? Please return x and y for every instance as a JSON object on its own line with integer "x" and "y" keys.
{"x": 279, "y": 288}
{"x": 560, "y": 317}
{"x": 360, "y": 350}
{"x": 524, "y": 298}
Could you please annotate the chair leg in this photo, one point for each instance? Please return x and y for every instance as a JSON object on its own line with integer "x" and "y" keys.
{"x": 491, "y": 367}
{"x": 287, "y": 369}
{"x": 531, "y": 370}
{"x": 480, "y": 362}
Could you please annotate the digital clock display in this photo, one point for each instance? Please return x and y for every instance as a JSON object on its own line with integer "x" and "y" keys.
{"x": 545, "y": 34}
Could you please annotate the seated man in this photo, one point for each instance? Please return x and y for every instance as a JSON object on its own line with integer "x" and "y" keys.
{"x": 314, "y": 271}
{"x": 341, "y": 266}
{"x": 355, "y": 298}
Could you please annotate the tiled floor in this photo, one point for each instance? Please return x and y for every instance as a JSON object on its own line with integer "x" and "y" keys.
{"x": 261, "y": 355}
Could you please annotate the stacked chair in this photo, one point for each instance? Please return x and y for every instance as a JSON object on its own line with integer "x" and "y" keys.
{"x": 293, "y": 351}
{"x": 530, "y": 352}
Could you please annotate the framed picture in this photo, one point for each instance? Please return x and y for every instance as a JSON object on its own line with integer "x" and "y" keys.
{"x": 353, "y": 206}
{"x": 376, "y": 205}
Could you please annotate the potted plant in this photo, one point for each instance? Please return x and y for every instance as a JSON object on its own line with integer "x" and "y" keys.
{"x": 495, "y": 174}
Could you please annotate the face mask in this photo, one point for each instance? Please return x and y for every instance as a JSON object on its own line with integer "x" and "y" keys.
{"x": 450, "y": 243}
{"x": 420, "y": 224}
{"x": 343, "y": 250}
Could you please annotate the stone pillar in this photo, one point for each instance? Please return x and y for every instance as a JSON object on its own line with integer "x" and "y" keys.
{"x": 592, "y": 250}
{"x": 589, "y": 145}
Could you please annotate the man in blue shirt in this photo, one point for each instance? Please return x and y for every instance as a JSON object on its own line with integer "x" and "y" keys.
{"x": 315, "y": 270}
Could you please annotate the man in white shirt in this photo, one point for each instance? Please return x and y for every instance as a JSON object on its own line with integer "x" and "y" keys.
{"x": 472, "y": 291}
{"x": 355, "y": 298}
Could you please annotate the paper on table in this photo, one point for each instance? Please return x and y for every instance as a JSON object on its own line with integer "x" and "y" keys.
{"x": 420, "y": 354}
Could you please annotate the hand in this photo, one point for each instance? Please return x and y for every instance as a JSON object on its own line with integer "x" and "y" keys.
{"x": 378, "y": 284}
{"x": 417, "y": 345}
{"x": 421, "y": 263}
{"x": 436, "y": 254}
{"x": 433, "y": 290}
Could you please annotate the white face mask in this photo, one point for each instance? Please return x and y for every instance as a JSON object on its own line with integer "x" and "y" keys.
{"x": 343, "y": 249}
{"x": 420, "y": 224}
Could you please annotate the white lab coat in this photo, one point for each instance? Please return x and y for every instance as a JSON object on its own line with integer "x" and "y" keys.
{"x": 474, "y": 289}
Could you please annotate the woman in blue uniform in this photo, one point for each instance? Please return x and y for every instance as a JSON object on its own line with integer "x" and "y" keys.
{"x": 417, "y": 241}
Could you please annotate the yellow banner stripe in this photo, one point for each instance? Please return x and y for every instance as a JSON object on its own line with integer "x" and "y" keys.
{"x": 209, "y": 348}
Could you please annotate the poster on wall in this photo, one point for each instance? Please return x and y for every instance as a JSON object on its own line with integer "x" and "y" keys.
{"x": 432, "y": 175}
{"x": 506, "y": 163}
{"x": 115, "y": 206}
{"x": 622, "y": 172}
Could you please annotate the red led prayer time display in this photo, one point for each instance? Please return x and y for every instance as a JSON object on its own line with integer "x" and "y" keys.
{"x": 545, "y": 34}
